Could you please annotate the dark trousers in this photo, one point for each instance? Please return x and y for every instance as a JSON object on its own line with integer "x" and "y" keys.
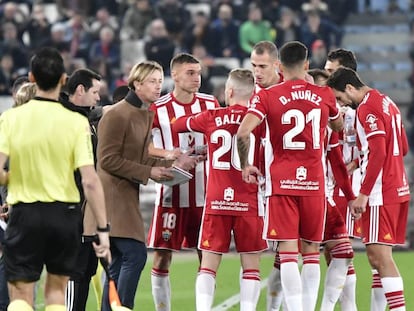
{"x": 78, "y": 287}
{"x": 128, "y": 260}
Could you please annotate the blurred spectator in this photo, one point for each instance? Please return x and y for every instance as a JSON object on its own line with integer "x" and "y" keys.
{"x": 294, "y": 5}
{"x": 207, "y": 62}
{"x": 104, "y": 95}
{"x": 7, "y": 74}
{"x": 340, "y": 10}
{"x": 77, "y": 34}
{"x": 67, "y": 8}
{"x": 238, "y": 8}
{"x": 11, "y": 13}
{"x": 174, "y": 15}
{"x": 136, "y": 19}
{"x": 13, "y": 46}
{"x": 219, "y": 93}
{"x": 101, "y": 66}
{"x": 38, "y": 27}
{"x": 198, "y": 32}
{"x": 319, "y": 54}
{"x": 123, "y": 77}
{"x": 315, "y": 5}
{"x": 106, "y": 48}
{"x": 103, "y": 18}
{"x": 57, "y": 38}
{"x": 317, "y": 28}
{"x": 119, "y": 93}
{"x": 253, "y": 30}
{"x": 287, "y": 28}
{"x": 272, "y": 10}
{"x": 225, "y": 33}
{"x": 159, "y": 46}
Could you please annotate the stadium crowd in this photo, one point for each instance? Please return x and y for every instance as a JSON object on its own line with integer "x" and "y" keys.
{"x": 91, "y": 33}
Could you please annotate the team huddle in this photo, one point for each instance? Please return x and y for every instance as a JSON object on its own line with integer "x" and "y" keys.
{"x": 298, "y": 159}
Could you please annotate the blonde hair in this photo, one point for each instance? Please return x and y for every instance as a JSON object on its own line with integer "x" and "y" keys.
{"x": 141, "y": 71}
{"x": 242, "y": 82}
{"x": 25, "y": 93}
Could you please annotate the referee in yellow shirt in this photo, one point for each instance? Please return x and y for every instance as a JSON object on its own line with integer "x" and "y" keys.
{"x": 46, "y": 143}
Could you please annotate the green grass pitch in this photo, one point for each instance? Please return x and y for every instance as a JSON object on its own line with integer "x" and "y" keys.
{"x": 184, "y": 269}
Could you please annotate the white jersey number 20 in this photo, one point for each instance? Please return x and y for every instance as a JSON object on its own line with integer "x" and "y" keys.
{"x": 228, "y": 144}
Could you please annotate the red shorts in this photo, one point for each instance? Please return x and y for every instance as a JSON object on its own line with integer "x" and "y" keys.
{"x": 174, "y": 228}
{"x": 335, "y": 225}
{"x": 385, "y": 224}
{"x": 295, "y": 217}
{"x": 216, "y": 230}
{"x": 354, "y": 227}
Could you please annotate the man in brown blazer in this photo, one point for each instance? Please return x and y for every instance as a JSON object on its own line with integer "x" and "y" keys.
{"x": 124, "y": 134}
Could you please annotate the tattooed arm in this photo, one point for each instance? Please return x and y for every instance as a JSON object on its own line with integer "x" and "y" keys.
{"x": 249, "y": 123}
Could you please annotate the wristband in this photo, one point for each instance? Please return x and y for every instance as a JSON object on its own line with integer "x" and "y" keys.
{"x": 104, "y": 229}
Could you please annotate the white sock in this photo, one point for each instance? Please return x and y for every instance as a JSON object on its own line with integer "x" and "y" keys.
{"x": 291, "y": 281}
{"x": 347, "y": 298}
{"x": 334, "y": 282}
{"x": 311, "y": 276}
{"x": 249, "y": 290}
{"x": 378, "y": 300}
{"x": 274, "y": 290}
{"x": 394, "y": 293}
{"x": 205, "y": 286}
{"x": 161, "y": 291}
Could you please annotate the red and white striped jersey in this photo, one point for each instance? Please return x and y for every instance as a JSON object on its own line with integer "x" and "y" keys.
{"x": 167, "y": 109}
{"x": 377, "y": 116}
{"x": 349, "y": 153}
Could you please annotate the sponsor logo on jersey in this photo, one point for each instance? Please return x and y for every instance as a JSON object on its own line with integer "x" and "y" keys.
{"x": 372, "y": 120}
{"x": 254, "y": 101}
{"x": 166, "y": 235}
{"x": 301, "y": 173}
{"x": 228, "y": 194}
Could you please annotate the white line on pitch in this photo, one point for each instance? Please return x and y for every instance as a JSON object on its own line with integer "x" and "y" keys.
{"x": 234, "y": 300}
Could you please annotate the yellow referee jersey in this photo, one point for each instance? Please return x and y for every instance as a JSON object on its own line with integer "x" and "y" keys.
{"x": 45, "y": 143}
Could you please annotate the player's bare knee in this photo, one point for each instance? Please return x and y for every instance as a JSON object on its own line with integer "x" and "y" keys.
{"x": 162, "y": 259}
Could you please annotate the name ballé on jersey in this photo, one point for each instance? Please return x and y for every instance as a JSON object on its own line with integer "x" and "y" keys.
{"x": 232, "y": 118}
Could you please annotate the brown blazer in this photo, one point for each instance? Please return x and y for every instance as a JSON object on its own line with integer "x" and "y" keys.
{"x": 124, "y": 133}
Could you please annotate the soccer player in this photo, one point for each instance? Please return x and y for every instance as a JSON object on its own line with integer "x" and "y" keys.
{"x": 82, "y": 95}
{"x": 384, "y": 195}
{"x": 350, "y": 154}
{"x": 178, "y": 209}
{"x": 44, "y": 224}
{"x": 265, "y": 63}
{"x": 230, "y": 207}
{"x": 336, "y": 240}
{"x": 299, "y": 113}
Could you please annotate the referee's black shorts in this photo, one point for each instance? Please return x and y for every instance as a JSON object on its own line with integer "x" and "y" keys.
{"x": 40, "y": 234}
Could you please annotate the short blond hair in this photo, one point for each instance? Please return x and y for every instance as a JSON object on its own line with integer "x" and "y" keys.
{"x": 141, "y": 71}
{"x": 241, "y": 80}
{"x": 26, "y": 92}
